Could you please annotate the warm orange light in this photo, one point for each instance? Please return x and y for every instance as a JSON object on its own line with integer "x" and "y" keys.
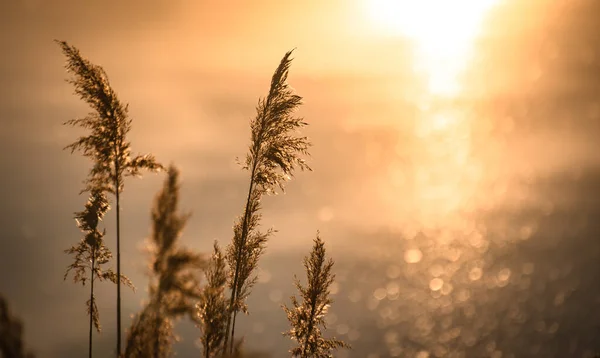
{"x": 442, "y": 31}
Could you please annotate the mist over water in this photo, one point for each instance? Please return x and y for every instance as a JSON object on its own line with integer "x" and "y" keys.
{"x": 462, "y": 223}
{"x": 494, "y": 250}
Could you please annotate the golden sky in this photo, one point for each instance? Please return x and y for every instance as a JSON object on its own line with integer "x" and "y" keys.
{"x": 414, "y": 122}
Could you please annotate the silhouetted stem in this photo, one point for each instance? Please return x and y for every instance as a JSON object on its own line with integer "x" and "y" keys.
{"x": 92, "y": 302}
{"x": 232, "y": 332}
{"x": 234, "y": 292}
{"x": 257, "y": 145}
{"x": 157, "y": 326}
{"x": 118, "y": 259}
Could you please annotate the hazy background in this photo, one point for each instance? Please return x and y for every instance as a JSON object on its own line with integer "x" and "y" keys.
{"x": 462, "y": 225}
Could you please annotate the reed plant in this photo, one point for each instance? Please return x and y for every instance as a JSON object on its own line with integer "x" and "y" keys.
{"x": 275, "y": 152}
{"x": 307, "y": 315}
{"x": 174, "y": 277}
{"x": 106, "y": 144}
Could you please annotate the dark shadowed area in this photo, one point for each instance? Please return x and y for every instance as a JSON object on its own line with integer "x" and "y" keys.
{"x": 462, "y": 224}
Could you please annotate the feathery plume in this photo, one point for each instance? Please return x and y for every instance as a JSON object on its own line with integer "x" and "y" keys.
{"x": 174, "y": 286}
{"x": 307, "y": 317}
{"x": 212, "y": 307}
{"x": 275, "y": 152}
{"x": 91, "y": 254}
{"x": 106, "y": 145}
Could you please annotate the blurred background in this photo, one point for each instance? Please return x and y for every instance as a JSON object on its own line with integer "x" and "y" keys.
{"x": 456, "y": 165}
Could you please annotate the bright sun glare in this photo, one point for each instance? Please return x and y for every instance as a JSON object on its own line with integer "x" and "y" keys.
{"x": 442, "y": 31}
{"x": 443, "y": 34}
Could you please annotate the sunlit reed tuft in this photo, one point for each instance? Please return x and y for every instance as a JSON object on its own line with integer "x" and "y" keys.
{"x": 308, "y": 316}
{"x": 274, "y": 154}
{"x": 91, "y": 254}
{"x": 106, "y": 145}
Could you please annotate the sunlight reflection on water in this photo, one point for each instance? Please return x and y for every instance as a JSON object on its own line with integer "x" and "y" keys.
{"x": 485, "y": 245}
